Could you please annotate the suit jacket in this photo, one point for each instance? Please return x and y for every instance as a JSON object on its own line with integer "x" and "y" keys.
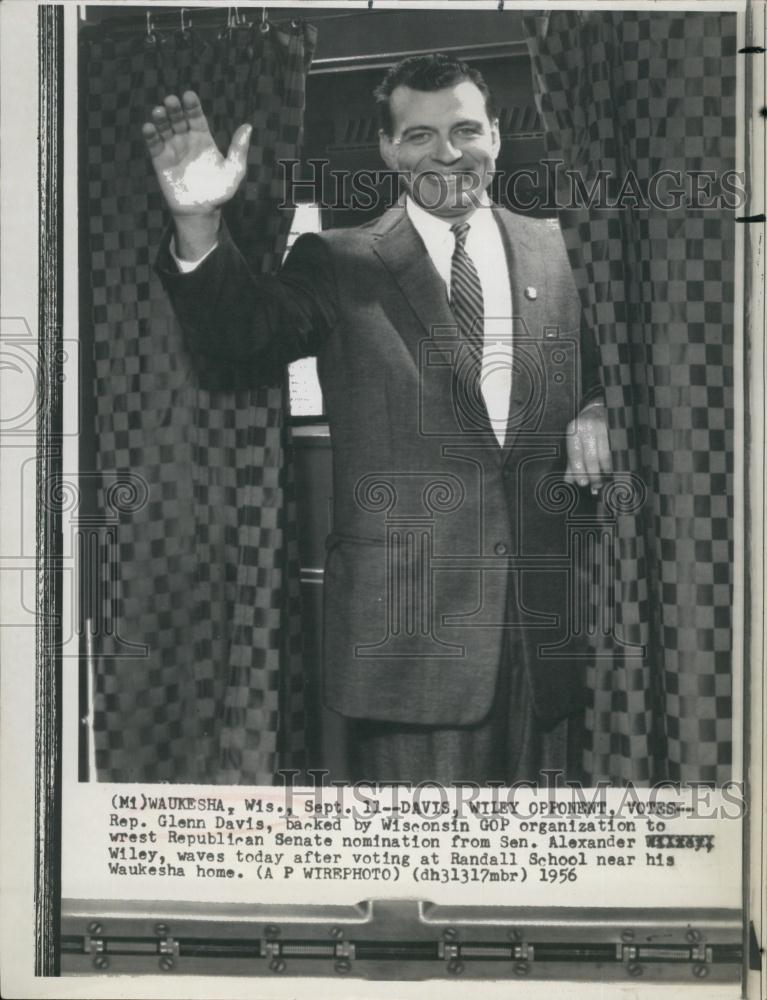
{"x": 442, "y": 542}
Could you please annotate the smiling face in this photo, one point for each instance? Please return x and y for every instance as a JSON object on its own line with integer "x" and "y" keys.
{"x": 444, "y": 145}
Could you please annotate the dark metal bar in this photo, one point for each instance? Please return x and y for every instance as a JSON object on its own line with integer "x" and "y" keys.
{"x": 50, "y": 27}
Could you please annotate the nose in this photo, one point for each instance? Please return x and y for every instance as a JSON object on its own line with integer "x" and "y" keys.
{"x": 446, "y": 151}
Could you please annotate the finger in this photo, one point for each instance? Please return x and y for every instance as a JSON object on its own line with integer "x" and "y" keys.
{"x": 161, "y": 122}
{"x": 154, "y": 143}
{"x": 590, "y": 453}
{"x": 575, "y": 465}
{"x": 195, "y": 116}
{"x": 176, "y": 114}
{"x": 603, "y": 449}
{"x": 238, "y": 148}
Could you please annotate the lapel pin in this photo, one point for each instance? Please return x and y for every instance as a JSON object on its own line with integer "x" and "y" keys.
{"x": 531, "y": 293}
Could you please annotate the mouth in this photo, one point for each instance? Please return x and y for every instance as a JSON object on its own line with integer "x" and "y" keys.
{"x": 463, "y": 178}
{"x": 447, "y": 190}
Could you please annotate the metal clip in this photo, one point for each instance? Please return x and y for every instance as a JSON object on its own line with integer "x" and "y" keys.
{"x": 168, "y": 946}
{"x": 271, "y": 949}
{"x": 523, "y": 952}
{"x": 448, "y": 950}
{"x": 185, "y": 25}
{"x": 94, "y": 945}
{"x": 345, "y": 949}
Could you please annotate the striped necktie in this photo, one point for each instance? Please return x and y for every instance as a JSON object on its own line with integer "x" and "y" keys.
{"x": 466, "y": 290}
{"x": 468, "y": 307}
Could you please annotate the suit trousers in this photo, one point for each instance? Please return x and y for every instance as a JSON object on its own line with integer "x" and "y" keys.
{"x": 509, "y": 745}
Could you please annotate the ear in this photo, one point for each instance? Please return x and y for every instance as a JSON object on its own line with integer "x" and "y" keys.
{"x": 388, "y": 149}
{"x": 495, "y": 134}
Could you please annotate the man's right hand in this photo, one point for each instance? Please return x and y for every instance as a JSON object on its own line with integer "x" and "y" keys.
{"x": 194, "y": 177}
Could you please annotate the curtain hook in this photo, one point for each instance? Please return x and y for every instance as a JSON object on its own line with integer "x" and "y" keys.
{"x": 150, "y": 32}
{"x": 500, "y": 5}
{"x": 185, "y": 26}
{"x": 264, "y": 21}
{"x": 370, "y": 4}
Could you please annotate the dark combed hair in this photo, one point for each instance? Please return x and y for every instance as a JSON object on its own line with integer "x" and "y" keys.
{"x": 430, "y": 72}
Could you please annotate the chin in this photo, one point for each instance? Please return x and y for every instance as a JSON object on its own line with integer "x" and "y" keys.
{"x": 456, "y": 209}
{"x": 448, "y": 207}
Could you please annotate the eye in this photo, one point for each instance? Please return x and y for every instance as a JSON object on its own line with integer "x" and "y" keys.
{"x": 468, "y": 131}
{"x": 418, "y": 137}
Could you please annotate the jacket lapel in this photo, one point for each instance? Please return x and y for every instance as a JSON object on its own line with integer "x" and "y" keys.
{"x": 403, "y": 253}
{"x": 527, "y": 274}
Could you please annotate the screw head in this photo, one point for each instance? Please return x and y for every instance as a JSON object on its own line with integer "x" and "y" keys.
{"x": 450, "y": 934}
{"x": 693, "y": 936}
{"x": 343, "y": 965}
{"x": 278, "y": 965}
{"x": 699, "y": 970}
{"x": 627, "y": 936}
{"x": 161, "y": 930}
{"x": 514, "y": 934}
{"x": 94, "y": 927}
{"x": 454, "y": 967}
{"x": 271, "y": 931}
{"x": 336, "y": 932}
{"x": 166, "y": 963}
{"x": 100, "y": 961}
{"x": 635, "y": 969}
{"x": 521, "y": 968}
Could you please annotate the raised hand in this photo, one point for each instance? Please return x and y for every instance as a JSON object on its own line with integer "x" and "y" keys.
{"x": 194, "y": 177}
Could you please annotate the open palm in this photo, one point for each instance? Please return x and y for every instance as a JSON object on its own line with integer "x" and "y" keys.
{"x": 193, "y": 175}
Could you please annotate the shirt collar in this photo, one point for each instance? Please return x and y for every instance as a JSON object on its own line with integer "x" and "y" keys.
{"x": 432, "y": 229}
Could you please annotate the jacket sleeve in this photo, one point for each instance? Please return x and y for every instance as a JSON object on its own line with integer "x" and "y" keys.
{"x": 233, "y": 318}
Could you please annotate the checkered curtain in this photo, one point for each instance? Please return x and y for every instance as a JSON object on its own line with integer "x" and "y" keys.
{"x": 198, "y": 665}
{"x": 644, "y": 92}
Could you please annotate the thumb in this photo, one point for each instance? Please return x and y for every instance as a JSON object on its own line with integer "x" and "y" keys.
{"x": 238, "y": 148}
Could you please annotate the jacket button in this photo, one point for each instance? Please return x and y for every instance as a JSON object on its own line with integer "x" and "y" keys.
{"x": 501, "y": 549}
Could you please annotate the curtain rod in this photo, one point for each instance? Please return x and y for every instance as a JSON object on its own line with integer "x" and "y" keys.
{"x": 222, "y": 17}
{"x": 209, "y": 17}
{"x": 380, "y": 60}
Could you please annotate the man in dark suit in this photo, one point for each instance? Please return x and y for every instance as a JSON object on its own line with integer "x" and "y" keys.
{"x": 460, "y": 393}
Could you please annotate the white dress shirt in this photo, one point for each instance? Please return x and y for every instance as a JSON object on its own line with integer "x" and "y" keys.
{"x": 187, "y": 266}
{"x": 485, "y": 247}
